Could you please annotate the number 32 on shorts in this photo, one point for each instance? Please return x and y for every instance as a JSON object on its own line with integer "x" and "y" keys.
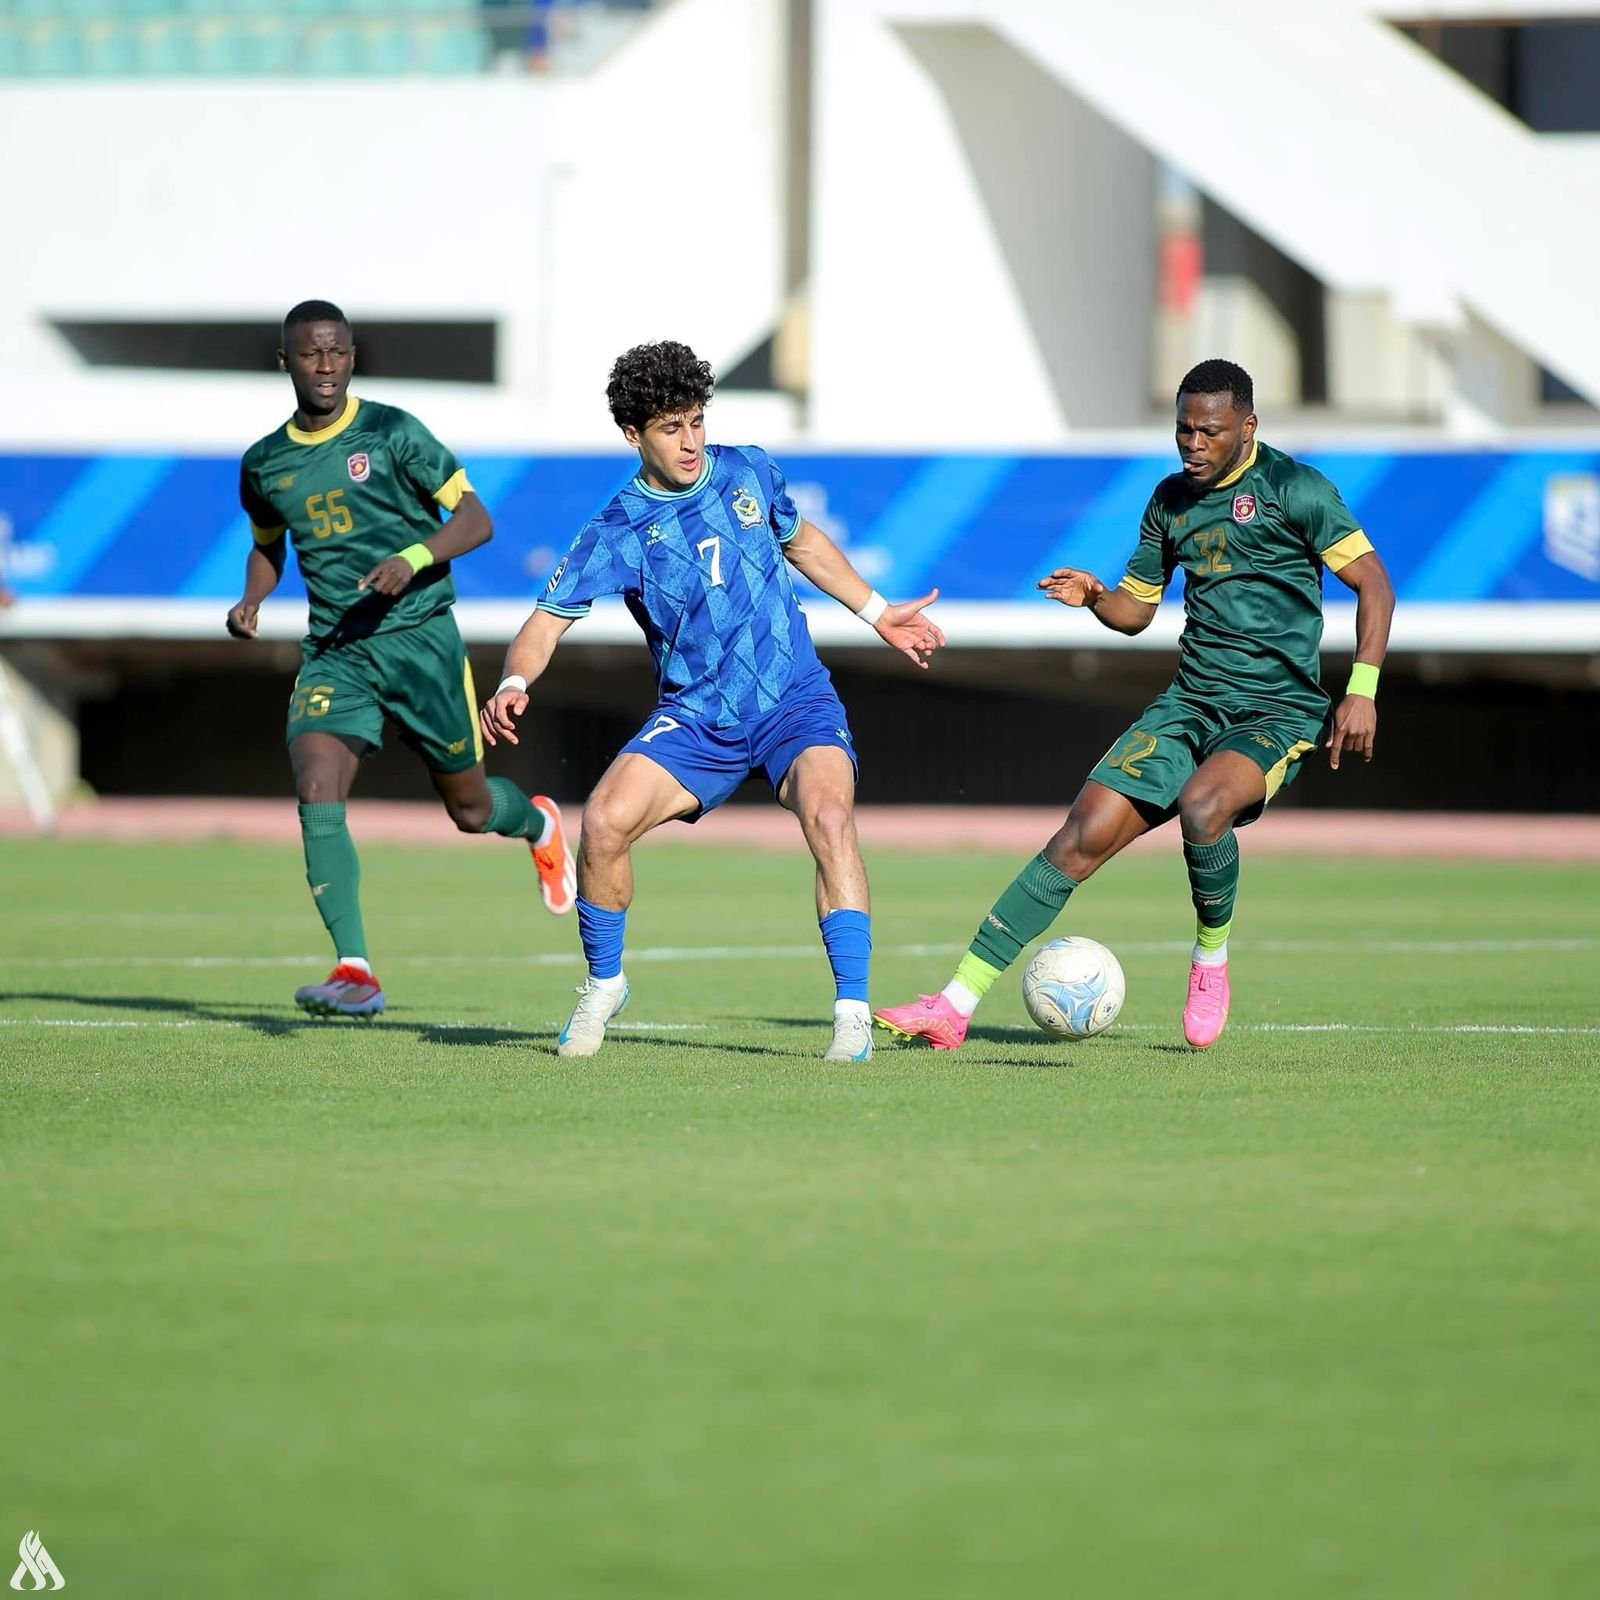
{"x": 1135, "y": 748}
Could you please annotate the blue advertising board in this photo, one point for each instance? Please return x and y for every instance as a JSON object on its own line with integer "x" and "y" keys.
{"x": 140, "y": 543}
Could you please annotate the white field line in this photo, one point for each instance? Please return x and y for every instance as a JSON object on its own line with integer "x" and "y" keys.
{"x": 701, "y": 1027}
{"x": 798, "y": 952}
{"x": 319, "y": 1022}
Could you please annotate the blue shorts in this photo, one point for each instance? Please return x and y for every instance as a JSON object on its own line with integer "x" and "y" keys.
{"x": 712, "y": 762}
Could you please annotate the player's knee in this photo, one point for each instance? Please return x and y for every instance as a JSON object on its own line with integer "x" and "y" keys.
{"x": 604, "y": 831}
{"x": 1205, "y": 815}
{"x": 470, "y": 816}
{"x": 317, "y": 788}
{"x": 829, "y": 823}
{"x": 1079, "y": 846}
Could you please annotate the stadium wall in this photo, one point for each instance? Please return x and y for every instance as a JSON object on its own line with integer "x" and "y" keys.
{"x": 533, "y": 205}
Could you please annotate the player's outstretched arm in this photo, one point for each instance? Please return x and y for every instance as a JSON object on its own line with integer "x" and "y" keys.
{"x": 1116, "y": 608}
{"x": 263, "y": 568}
{"x": 1355, "y": 722}
{"x": 901, "y": 625}
{"x": 526, "y": 660}
{"x": 468, "y": 526}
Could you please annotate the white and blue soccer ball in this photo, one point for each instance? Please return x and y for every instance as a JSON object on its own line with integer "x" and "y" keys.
{"x": 1074, "y": 988}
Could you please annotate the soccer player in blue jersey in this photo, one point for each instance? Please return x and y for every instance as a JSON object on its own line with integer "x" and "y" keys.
{"x": 699, "y": 544}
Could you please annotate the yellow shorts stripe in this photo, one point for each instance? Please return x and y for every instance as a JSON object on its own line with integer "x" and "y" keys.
{"x": 1277, "y": 773}
{"x": 472, "y": 709}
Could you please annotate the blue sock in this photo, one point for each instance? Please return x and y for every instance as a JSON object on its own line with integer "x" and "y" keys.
{"x": 847, "y": 937}
{"x": 601, "y": 932}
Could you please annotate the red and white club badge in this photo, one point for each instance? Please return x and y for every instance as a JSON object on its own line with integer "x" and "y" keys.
{"x": 360, "y": 466}
{"x": 1244, "y": 506}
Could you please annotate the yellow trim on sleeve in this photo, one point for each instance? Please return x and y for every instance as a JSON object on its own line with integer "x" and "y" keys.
{"x": 266, "y": 535}
{"x": 1280, "y": 771}
{"x": 1343, "y": 551}
{"x": 332, "y": 431}
{"x": 1150, "y": 593}
{"x": 1239, "y": 471}
{"x": 450, "y": 492}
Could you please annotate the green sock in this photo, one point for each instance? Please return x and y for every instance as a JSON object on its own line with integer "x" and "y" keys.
{"x": 1027, "y": 908}
{"x": 512, "y": 813}
{"x": 1212, "y": 938}
{"x": 334, "y": 872}
{"x": 1214, "y": 882}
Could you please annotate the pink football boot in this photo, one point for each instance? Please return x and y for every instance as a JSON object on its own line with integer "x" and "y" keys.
{"x": 932, "y": 1018}
{"x": 1205, "y": 1014}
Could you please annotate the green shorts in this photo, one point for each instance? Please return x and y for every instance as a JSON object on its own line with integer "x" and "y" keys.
{"x": 419, "y": 678}
{"x": 1153, "y": 760}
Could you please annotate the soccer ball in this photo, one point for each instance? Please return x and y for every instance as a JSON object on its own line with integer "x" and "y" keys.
{"x": 1074, "y": 988}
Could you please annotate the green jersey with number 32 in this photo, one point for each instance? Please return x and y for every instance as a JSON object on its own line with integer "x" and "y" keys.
{"x": 1252, "y": 549}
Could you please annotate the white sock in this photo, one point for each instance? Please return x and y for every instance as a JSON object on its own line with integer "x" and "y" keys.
{"x": 355, "y": 961}
{"x": 545, "y": 832}
{"x": 852, "y": 1008}
{"x": 610, "y": 984}
{"x": 1211, "y": 958}
{"x": 960, "y": 996}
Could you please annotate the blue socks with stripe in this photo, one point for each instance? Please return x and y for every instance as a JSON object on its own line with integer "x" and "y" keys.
{"x": 847, "y": 937}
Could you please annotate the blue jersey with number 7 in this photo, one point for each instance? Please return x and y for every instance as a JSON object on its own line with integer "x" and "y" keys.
{"x": 704, "y": 574}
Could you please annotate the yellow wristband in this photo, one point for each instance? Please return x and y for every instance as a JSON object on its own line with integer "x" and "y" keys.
{"x": 415, "y": 556}
{"x": 1363, "y": 680}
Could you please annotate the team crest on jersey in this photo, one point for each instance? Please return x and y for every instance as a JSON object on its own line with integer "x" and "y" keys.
{"x": 746, "y": 508}
{"x": 360, "y": 465}
{"x": 1244, "y": 508}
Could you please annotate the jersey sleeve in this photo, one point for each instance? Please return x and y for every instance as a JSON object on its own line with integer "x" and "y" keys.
{"x": 1319, "y": 511}
{"x": 1150, "y": 565}
{"x": 593, "y": 566}
{"x": 784, "y": 515}
{"x": 266, "y": 526}
{"x": 428, "y": 466}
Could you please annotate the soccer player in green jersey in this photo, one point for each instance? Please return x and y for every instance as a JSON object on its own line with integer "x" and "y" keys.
{"x": 1252, "y": 530}
{"x": 363, "y": 490}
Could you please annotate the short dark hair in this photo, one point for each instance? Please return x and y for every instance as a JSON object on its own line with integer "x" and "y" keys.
{"x": 657, "y": 380}
{"x": 1220, "y": 377}
{"x": 311, "y": 311}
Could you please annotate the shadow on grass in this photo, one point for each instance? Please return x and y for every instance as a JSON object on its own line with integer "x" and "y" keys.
{"x": 1021, "y": 1047}
{"x": 278, "y": 1025}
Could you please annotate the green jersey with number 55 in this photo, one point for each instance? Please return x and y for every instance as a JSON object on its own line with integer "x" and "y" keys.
{"x": 1252, "y": 549}
{"x": 350, "y": 496}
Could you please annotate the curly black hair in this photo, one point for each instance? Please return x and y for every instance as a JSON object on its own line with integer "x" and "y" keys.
{"x": 657, "y": 380}
{"x": 311, "y": 311}
{"x": 1221, "y": 377}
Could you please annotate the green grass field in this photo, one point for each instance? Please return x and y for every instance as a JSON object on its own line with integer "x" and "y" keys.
{"x": 414, "y": 1308}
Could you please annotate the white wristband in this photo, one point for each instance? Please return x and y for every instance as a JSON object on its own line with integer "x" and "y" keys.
{"x": 511, "y": 681}
{"x": 874, "y": 608}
